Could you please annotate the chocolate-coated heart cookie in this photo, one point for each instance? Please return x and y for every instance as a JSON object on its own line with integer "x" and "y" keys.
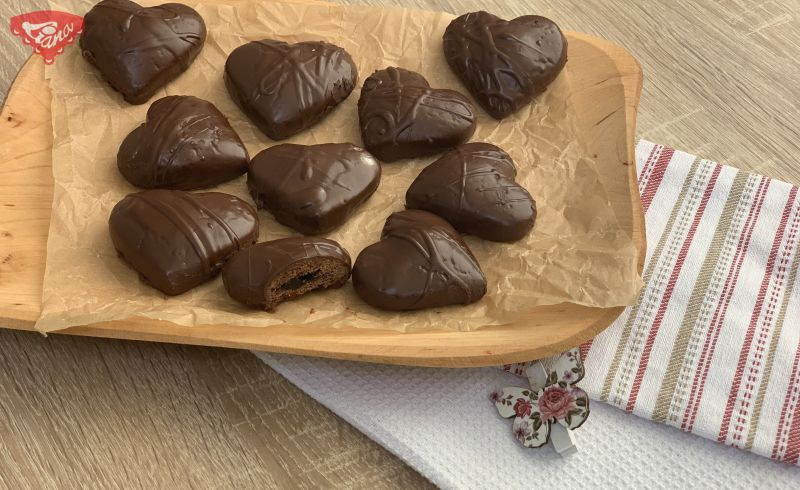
{"x": 139, "y": 50}
{"x": 504, "y": 64}
{"x": 185, "y": 143}
{"x": 473, "y": 188}
{"x": 286, "y": 88}
{"x": 177, "y": 240}
{"x": 315, "y": 188}
{"x": 402, "y": 117}
{"x": 269, "y": 273}
{"x": 420, "y": 262}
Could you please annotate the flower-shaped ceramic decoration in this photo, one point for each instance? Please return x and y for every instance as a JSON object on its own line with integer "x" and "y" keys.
{"x": 552, "y": 398}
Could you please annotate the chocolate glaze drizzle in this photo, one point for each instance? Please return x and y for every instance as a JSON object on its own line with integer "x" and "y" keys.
{"x": 139, "y": 50}
{"x": 314, "y": 188}
{"x": 504, "y": 64}
{"x": 402, "y": 117}
{"x": 177, "y": 240}
{"x": 286, "y": 88}
{"x": 420, "y": 262}
{"x": 473, "y": 188}
{"x": 185, "y": 143}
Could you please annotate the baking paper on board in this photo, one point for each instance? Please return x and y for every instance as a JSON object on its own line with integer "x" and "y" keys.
{"x": 576, "y": 253}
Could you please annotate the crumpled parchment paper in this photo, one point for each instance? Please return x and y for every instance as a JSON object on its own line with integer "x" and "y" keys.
{"x": 577, "y": 252}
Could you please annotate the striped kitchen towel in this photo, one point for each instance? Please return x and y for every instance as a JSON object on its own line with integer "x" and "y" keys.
{"x": 711, "y": 345}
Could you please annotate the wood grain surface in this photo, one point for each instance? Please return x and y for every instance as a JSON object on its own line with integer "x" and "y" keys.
{"x": 721, "y": 80}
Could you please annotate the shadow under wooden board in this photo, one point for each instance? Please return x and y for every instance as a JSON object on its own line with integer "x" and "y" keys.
{"x": 606, "y": 82}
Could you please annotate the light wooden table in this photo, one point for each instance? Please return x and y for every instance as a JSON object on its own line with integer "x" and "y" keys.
{"x": 721, "y": 80}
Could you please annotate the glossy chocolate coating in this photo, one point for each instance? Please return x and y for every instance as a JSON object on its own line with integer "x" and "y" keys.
{"x": 402, "y": 117}
{"x": 139, "y": 50}
{"x": 504, "y": 64}
{"x": 177, "y": 240}
{"x": 185, "y": 143}
{"x": 286, "y": 88}
{"x": 269, "y": 272}
{"x": 420, "y": 262}
{"x": 473, "y": 188}
{"x": 315, "y": 188}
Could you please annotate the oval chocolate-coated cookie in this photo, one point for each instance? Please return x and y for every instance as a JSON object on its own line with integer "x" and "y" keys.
{"x": 185, "y": 143}
{"x": 177, "y": 240}
{"x": 270, "y": 273}
{"x": 313, "y": 188}
{"x": 420, "y": 262}
{"x": 138, "y": 50}
{"x": 473, "y": 188}
{"x": 402, "y": 117}
{"x": 504, "y": 64}
{"x": 286, "y": 88}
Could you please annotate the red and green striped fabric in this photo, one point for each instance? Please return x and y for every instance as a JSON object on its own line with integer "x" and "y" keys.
{"x": 712, "y": 344}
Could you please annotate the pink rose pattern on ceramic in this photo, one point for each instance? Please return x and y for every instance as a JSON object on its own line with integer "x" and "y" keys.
{"x": 558, "y": 401}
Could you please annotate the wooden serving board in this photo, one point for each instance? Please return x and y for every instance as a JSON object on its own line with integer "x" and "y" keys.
{"x": 607, "y": 82}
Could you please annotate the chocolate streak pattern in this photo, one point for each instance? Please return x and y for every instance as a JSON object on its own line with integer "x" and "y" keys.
{"x": 431, "y": 244}
{"x": 402, "y": 117}
{"x": 286, "y": 88}
{"x": 185, "y": 143}
{"x": 313, "y": 188}
{"x": 504, "y": 64}
{"x": 473, "y": 188}
{"x": 177, "y": 240}
{"x": 420, "y": 262}
{"x": 138, "y": 50}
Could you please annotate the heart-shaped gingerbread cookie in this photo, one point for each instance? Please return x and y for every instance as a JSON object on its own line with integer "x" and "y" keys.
{"x": 177, "y": 240}
{"x": 504, "y": 64}
{"x": 138, "y": 50}
{"x": 269, "y": 273}
{"x": 473, "y": 188}
{"x": 420, "y": 262}
{"x": 402, "y": 117}
{"x": 313, "y": 188}
{"x": 286, "y": 88}
{"x": 185, "y": 143}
